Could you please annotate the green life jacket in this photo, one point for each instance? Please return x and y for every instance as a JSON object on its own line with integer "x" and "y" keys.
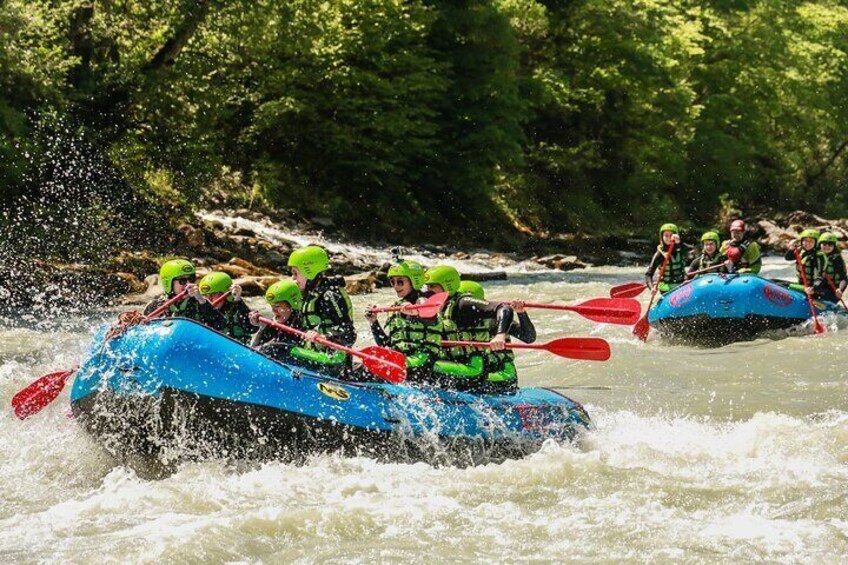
{"x": 675, "y": 270}
{"x": 414, "y": 337}
{"x": 232, "y": 327}
{"x": 752, "y": 260}
{"x": 462, "y": 362}
{"x": 312, "y": 320}
{"x": 830, "y": 267}
{"x": 813, "y": 261}
{"x": 705, "y": 262}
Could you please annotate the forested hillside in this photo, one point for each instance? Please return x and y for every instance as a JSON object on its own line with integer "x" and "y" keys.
{"x": 420, "y": 120}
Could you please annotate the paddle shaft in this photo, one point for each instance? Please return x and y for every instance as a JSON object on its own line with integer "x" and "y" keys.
{"x": 323, "y": 341}
{"x": 819, "y": 328}
{"x": 835, "y": 290}
{"x": 707, "y": 270}
{"x": 161, "y": 310}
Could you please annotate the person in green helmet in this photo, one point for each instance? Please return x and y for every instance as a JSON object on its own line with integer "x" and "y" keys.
{"x": 326, "y": 310}
{"x": 285, "y": 300}
{"x": 751, "y": 260}
{"x": 835, "y": 277}
{"x": 465, "y": 318}
{"x": 501, "y": 374}
{"x": 419, "y": 339}
{"x": 235, "y": 312}
{"x": 813, "y": 262}
{"x": 675, "y": 271}
{"x": 710, "y": 256}
{"x": 178, "y": 275}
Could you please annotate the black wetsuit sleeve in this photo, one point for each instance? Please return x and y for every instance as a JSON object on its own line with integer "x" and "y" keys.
{"x": 380, "y": 337}
{"x": 790, "y": 255}
{"x": 840, "y": 271}
{"x": 333, "y": 307}
{"x": 523, "y": 328}
{"x": 471, "y": 312}
{"x": 656, "y": 262}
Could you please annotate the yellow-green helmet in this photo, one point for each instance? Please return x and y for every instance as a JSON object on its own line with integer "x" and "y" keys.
{"x": 711, "y": 236}
{"x": 284, "y": 291}
{"x": 215, "y": 282}
{"x": 411, "y": 270}
{"x": 473, "y": 288}
{"x": 443, "y": 275}
{"x": 828, "y": 237}
{"x": 668, "y": 227}
{"x": 174, "y": 269}
{"x": 811, "y": 233}
{"x": 310, "y": 260}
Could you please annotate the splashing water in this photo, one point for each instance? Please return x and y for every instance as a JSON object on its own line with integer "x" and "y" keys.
{"x": 696, "y": 456}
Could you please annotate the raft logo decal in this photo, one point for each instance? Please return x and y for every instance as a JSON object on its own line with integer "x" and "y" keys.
{"x": 333, "y": 391}
{"x": 681, "y": 297}
{"x": 534, "y": 417}
{"x": 777, "y": 296}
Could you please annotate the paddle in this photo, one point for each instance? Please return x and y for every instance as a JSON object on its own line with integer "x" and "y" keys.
{"x": 702, "y": 271}
{"x": 430, "y": 308}
{"x": 585, "y": 348}
{"x": 833, "y": 286}
{"x": 627, "y": 290}
{"x": 642, "y": 327}
{"x": 388, "y": 364}
{"x": 43, "y": 391}
{"x": 218, "y": 301}
{"x": 623, "y": 311}
{"x": 819, "y": 328}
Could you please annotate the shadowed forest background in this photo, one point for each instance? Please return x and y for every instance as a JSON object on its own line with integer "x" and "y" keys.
{"x": 466, "y": 121}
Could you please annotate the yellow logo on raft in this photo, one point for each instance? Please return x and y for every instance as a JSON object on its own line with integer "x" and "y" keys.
{"x": 334, "y": 391}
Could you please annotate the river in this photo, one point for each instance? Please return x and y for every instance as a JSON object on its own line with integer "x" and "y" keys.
{"x": 697, "y": 455}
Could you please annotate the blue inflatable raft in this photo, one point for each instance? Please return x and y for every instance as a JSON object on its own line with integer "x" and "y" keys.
{"x": 720, "y": 309}
{"x": 174, "y": 389}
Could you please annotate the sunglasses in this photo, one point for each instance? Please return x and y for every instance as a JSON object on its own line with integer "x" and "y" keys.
{"x": 397, "y": 281}
{"x": 185, "y": 280}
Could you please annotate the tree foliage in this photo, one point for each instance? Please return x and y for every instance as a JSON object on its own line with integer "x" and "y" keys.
{"x": 427, "y": 119}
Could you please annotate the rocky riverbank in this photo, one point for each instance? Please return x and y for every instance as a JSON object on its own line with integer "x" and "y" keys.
{"x": 253, "y": 247}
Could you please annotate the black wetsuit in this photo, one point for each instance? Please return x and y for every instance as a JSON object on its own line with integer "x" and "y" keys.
{"x": 277, "y": 344}
{"x": 191, "y": 309}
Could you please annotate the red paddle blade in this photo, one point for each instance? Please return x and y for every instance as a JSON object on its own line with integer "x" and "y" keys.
{"x": 39, "y": 394}
{"x": 431, "y": 307}
{"x": 628, "y": 290}
{"x": 624, "y": 311}
{"x": 820, "y": 329}
{"x": 642, "y": 328}
{"x": 586, "y": 348}
{"x": 388, "y": 364}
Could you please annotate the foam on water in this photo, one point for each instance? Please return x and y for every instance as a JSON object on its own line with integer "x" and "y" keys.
{"x": 696, "y": 456}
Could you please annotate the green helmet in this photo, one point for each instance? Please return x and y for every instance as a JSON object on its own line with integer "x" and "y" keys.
{"x": 284, "y": 291}
{"x": 711, "y": 236}
{"x": 411, "y": 270}
{"x": 828, "y": 237}
{"x": 443, "y": 275}
{"x": 310, "y": 260}
{"x": 215, "y": 282}
{"x": 811, "y": 233}
{"x": 174, "y": 269}
{"x": 472, "y": 288}
{"x": 668, "y": 227}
